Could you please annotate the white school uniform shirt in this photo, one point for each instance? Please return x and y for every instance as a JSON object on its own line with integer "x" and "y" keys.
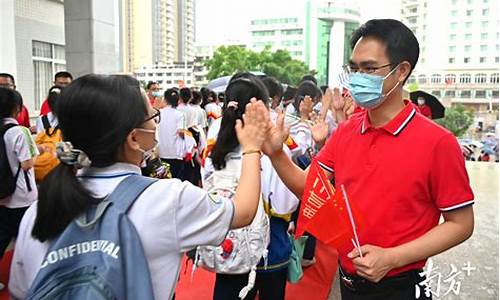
{"x": 200, "y": 116}
{"x": 214, "y": 112}
{"x": 189, "y": 114}
{"x": 171, "y": 217}
{"x": 20, "y": 146}
{"x": 170, "y": 144}
{"x": 299, "y": 131}
{"x": 52, "y": 121}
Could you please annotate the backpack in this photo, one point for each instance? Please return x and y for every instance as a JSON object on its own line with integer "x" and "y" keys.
{"x": 47, "y": 161}
{"x": 8, "y": 180}
{"x": 99, "y": 255}
{"x": 243, "y": 248}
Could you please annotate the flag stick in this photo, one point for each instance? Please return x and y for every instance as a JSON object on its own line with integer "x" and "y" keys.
{"x": 351, "y": 218}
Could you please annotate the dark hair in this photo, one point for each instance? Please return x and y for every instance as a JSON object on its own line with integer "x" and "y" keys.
{"x": 401, "y": 44}
{"x": 306, "y": 88}
{"x": 204, "y": 96}
{"x": 196, "y": 98}
{"x": 172, "y": 97}
{"x": 240, "y": 89}
{"x": 323, "y": 89}
{"x": 221, "y": 96}
{"x": 213, "y": 95}
{"x": 96, "y": 115}
{"x": 185, "y": 94}
{"x": 10, "y": 101}
{"x": 63, "y": 74}
{"x": 8, "y": 76}
{"x": 53, "y": 98}
{"x": 150, "y": 83}
{"x": 309, "y": 78}
{"x": 274, "y": 88}
{"x": 289, "y": 93}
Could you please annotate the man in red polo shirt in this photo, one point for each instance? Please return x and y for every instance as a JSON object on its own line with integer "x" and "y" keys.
{"x": 400, "y": 170}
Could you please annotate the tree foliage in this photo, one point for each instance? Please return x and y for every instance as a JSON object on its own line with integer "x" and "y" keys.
{"x": 228, "y": 60}
{"x": 457, "y": 120}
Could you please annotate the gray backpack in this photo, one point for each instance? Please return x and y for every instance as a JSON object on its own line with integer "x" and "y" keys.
{"x": 99, "y": 255}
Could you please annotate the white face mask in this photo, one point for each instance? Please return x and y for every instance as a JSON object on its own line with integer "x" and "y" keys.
{"x": 146, "y": 154}
{"x": 421, "y": 101}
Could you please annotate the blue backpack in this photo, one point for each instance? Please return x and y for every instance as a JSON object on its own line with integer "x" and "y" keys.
{"x": 99, "y": 255}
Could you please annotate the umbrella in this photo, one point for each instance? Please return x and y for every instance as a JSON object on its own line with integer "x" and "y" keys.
{"x": 219, "y": 85}
{"x": 436, "y": 107}
{"x": 488, "y": 150}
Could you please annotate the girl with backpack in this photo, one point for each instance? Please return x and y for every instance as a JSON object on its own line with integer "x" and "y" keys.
{"x": 267, "y": 236}
{"x": 109, "y": 130}
{"x": 17, "y": 179}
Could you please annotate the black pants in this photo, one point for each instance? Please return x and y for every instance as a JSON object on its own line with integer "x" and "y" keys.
{"x": 10, "y": 218}
{"x": 407, "y": 292}
{"x": 271, "y": 286}
{"x": 177, "y": 167}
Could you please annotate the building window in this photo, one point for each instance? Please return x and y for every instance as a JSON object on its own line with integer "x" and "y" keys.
{"x": 466, "y": 60}
{"x": 496, "y": 59}
{"x": 449, "y": 94}
{"x": 468, "y": 25}
{"x": 411, "y": 79}
{"x": 494, "y": 78}
{"x": 468, "y": 36}
{"x": 468, "y": 13}
{"x": 469, "y": 1}
{"x": 453, "y": 37}
{"x": 436, "y": 78}
{"x": 465, "y": 94}
{"x": 450, "y": 78}
{"x": 454, "y": 13}
{"x": 291, "y": 31}
{"x": 465, "y": 78}
{"x": 481, "y": 94}
{"x": 451, "y": 60}
{"x": 484, "y": 48}
{"x": 484, "y": 24}
{"x": 453, "y": 25}
{"x": 482, "y": 59}
{"x": 486, "y": 12}
{"x": 454, "y": 2}
{"x": 480, "y": 78}
{"x": 484, "y": 36}
{"x": 48, "y": 59}
{"x": 452, "y": 48}
{"x": 494, "y": 94}
{"x": 422, "y": 78}
{"x": 436, "y": 93}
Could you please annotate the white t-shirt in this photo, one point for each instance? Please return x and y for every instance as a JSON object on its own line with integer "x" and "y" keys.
{"x": 170, "y": 144}
{"x": 20, "y": 146}
{"x": 52, "y": 121}
{"x": 170, "y": 216}
{"x": 200, "y": 116}
{"x": 189, "y": 114}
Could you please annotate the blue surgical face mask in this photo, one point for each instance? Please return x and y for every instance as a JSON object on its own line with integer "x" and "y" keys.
{"x": 156, "y": 94}
{"x": 367, "y": 89}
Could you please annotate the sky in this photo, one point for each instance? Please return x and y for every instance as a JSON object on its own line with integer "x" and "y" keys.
{"x": 224, "y": 21}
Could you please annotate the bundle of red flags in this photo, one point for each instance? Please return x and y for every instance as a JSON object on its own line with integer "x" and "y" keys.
{"x": 324, "y": 212}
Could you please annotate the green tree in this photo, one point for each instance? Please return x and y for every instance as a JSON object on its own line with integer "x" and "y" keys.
{"x": 457, "y": 119}
{"x": 228, "y": 60}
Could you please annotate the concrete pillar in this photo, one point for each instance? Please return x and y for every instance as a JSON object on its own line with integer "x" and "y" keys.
{"x": 336, "y": 55}
{"x": 90, "y": 37}
{"x": 8, "y": 39}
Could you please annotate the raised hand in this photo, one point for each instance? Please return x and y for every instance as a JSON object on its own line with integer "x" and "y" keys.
{"x": 319, "y": 129}
{"x": 253, "y": 131}
{"x": 277, "y": 135}
{"x": 306, "y": 108}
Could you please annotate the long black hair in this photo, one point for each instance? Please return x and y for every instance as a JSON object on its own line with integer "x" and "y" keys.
{"x": 96, "y": 113}
{"x": 242, "y": 87}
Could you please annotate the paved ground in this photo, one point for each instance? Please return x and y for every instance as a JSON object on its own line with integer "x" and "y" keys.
{"x": 479, "y": 252}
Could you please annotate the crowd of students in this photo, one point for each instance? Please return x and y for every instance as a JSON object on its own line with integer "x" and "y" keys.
{"x": 102, "y": 130}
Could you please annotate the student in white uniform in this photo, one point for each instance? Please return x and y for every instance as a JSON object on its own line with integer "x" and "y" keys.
{"x": 54, "y": 93}
{"x": 20, "y": 151}
{"x": 279, "y": 201}
{"x": 114, "y": 126}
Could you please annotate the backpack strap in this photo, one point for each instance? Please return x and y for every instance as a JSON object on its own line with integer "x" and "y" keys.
{"x": 129, "y": 190}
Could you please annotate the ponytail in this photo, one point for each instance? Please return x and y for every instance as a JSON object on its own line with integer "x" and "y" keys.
{"x": 61, "y": 198}
{"x": 226, "y": 140}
